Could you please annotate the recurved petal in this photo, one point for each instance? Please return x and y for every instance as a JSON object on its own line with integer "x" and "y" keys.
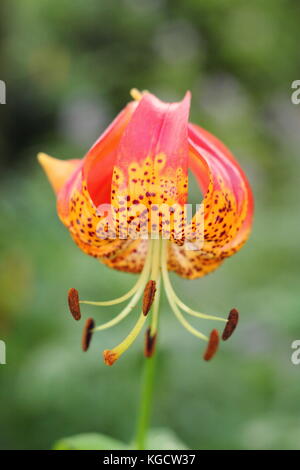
{"x": 190, "y": 264}
{"x": 156, "y": 127}
{"x": 84, "y": 200}
{"x": 64, "y": 177}
{"x": 100, "y": 159}
{"x": 222, "y": 224}
{"x": 66, "y": 194}
{"x": 228, "y": 202}
{"x": 57, "y": 171}
{"x": 152, "y": 159}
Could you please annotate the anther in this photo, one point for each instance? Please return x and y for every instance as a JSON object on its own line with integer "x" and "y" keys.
{"x": 87, "y": 333}
{"x": 73, "y": 301}
{"x": 109, "y": 357}
{"x": 231, "y": 325}
{"x": 148, "y": 298}
{"x": 150, "y": 342}
{"x": 212, "y": 346}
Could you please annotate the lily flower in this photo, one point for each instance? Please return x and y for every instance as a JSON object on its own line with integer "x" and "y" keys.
{"x": 125, "y": 203}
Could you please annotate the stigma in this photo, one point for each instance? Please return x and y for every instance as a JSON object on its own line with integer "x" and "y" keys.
{"x": 146, "y": 293}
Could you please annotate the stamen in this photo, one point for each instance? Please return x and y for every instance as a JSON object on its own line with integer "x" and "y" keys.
{"x": 184, "y": 322}
{"x": 87, "y": 333}
{"x": 184, "y": 307}
{"x": 212, "y": 346}
{"x": 173, "y": 305}
{"x": 119, "y": 300}
{"x": 107, "y": 303}
{"x": 141, "y": 281}
{"x": 192, "y": 312}
{"x": 123, "y": 314}
{"x": 232, "y": 322}
{"x": 73, "y": 301}
{"x": 150, "y": 342}
{"x": 148, "y": 298}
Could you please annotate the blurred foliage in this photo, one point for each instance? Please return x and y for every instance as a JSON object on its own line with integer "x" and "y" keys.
{"x": 68, "y": 66}
{"x": 158, "y": 439}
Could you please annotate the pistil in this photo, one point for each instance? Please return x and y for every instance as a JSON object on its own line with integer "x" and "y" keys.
{"x": 110, "y": 356}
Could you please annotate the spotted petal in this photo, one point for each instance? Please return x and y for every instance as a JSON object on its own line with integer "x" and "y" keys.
{"x": 151, "y": 167}
{"x": 226, "y": 210}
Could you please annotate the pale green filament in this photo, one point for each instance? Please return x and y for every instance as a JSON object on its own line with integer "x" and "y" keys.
{"x": 142, "y": 282}
{"x": 192, "y": 312}
{"x": 171, "y": 299}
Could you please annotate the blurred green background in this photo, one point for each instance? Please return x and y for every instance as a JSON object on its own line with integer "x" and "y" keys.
{"x": 68, "y": 66}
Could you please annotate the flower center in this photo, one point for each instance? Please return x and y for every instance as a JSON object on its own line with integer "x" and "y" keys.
{"x": 148, "y": 286}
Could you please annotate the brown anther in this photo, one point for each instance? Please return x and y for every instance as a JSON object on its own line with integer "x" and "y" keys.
{"x": 109, "y": 357}
{"x": 87, "y": 334}
{"x": 231, "y": 325}
{"x": 150, "y": 342}
{"x": 212, "y": 346}
{"x": 73, "y": 301}
{"x": 148, "y": 298}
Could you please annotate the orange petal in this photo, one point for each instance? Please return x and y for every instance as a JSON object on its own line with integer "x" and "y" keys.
{"x": 225, "y": 216}
{"x": 228, "y": 202}
{"x": 100, "y": 159}
{"x": 87, "y": 187}
{"x": 190, "y": 264}
{"x": 129, "y": 256}
{"x": 57, "y": 171}
{"x": 151, "y": 165}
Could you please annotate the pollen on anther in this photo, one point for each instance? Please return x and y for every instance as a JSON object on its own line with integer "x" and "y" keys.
{"x": 212, "y": 346}
{"x": 87, "y": 333}
{"x": 231, "y": 325}
{"x": 148, "y": 298}
{"x": 150, "y": 342}
{"x": 73, "y": 301}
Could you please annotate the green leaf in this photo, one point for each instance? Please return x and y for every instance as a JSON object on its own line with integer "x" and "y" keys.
{"x": 90, "y": 442}
{"x": 164, "y": 439}
{"x": 159, "y": 439}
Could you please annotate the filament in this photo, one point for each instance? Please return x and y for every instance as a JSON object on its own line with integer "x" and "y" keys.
{"x": 171, "y": 299}
{"x": 140, "y": 283}
{"x": 189, "y": 310}
{"x": 123, "y": 314}
{"x": 192, "y": 312}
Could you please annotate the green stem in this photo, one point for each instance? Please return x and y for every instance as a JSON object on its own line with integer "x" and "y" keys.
{"x": 145, "y": 406}
{"x": 145, "y": 403}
